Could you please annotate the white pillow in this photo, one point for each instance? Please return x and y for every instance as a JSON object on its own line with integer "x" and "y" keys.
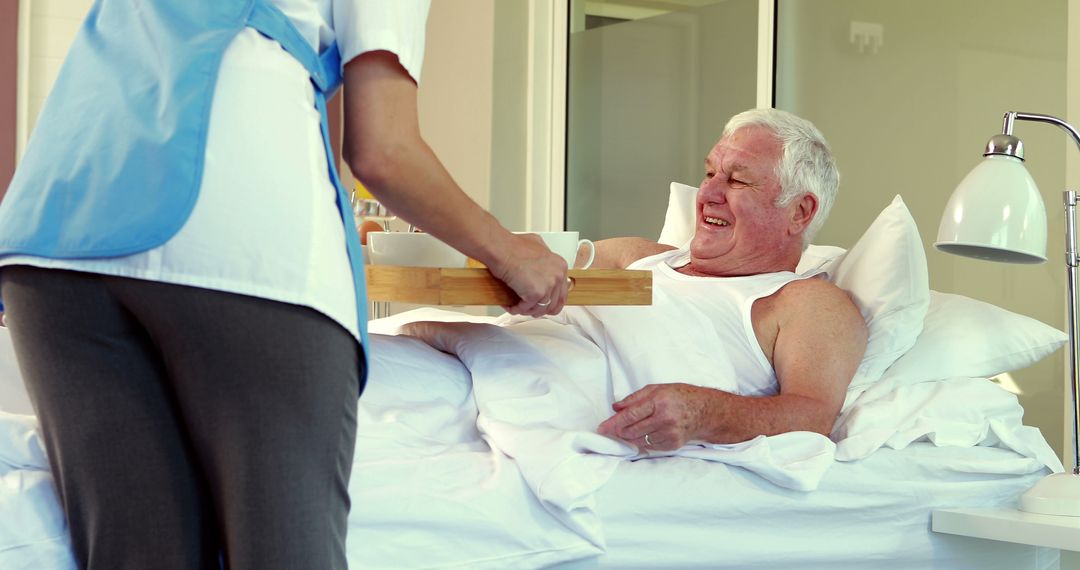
{"x": 884, "y": 272}
{"x": 681, "y": 217}
{"x": 816, "y": 257}
{"x": 965, "y": 337}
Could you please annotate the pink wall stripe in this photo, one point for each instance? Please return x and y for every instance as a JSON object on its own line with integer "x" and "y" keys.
{"x": 9, "y": 50}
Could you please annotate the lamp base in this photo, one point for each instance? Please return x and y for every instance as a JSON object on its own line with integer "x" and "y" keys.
{"x": 1057, "y": 494}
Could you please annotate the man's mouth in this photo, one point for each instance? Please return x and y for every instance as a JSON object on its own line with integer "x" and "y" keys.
{"x": 716, "y": 221}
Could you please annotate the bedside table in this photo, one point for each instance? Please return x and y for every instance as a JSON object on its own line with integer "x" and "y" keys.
{"x": 1010, "y": 525}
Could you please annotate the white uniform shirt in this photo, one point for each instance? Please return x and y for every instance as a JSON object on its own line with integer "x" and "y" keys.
{"x": 266, "y": 223}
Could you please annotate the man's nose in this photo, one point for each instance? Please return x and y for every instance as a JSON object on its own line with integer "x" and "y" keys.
{"x": 714, "y": 190}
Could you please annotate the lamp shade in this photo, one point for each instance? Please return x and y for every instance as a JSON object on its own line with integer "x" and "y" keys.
{"x": 996, "y": 213}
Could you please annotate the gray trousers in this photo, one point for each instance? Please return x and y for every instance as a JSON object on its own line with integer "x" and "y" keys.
{"x": 186, "y": 427}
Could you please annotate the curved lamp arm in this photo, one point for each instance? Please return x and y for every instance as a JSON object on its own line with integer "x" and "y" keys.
{"x": 1011, "y": 116}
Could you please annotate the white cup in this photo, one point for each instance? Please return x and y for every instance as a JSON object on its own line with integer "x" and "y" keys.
{"x": 567, "y": 245}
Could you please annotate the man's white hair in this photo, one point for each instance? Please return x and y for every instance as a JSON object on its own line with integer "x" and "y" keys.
{"x": 807, "y": 164}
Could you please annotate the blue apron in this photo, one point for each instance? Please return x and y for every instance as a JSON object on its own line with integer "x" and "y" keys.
{"x": 115, "y": 161}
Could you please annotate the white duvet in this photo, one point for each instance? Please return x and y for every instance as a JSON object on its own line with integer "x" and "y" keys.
{"x": 490, "y": 459}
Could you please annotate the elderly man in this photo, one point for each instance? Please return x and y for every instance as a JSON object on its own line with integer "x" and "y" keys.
{"x": 768, "y": 186}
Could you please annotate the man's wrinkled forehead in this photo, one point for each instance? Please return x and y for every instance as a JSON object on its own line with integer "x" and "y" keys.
{"x": 749, "y": 148}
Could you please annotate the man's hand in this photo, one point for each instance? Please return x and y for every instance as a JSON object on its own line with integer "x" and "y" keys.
{"x": 670, "y": 414}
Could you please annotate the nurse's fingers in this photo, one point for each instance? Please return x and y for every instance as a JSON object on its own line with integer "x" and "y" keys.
{"x": 535, "y": 274}
{"x": 564, "y": 293}
{"x": 531, "y": 309}
{"x": 555, "y": 299}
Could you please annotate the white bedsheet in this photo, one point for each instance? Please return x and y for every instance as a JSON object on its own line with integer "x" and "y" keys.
{"x": 488, "y": 470}
{"x": 866, "y": 515}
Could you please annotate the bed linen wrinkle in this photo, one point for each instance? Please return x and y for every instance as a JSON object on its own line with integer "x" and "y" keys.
{"x": 467, "y": 507}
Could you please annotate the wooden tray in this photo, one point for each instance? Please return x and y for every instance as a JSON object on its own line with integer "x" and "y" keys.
{"x": 474, "y": 286}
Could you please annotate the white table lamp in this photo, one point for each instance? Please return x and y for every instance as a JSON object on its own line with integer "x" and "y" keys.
{"x": 997, "y": 214}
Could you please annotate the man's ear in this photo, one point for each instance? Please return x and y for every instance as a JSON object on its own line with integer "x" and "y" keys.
{"x": 802, "y": 213}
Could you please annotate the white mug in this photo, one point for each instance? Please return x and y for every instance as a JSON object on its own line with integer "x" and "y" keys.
{"x": 567, "y": 245}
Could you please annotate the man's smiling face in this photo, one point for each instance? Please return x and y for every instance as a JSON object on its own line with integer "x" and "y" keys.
{"x": 739, "y": 227}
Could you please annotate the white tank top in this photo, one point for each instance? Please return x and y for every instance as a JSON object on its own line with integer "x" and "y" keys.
{"x": 698, "y": 331}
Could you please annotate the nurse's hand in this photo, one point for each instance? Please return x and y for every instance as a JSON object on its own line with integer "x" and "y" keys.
{"x": 535, "y": 274}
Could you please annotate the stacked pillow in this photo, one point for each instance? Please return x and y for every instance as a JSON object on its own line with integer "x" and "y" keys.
{"x": 965, "y": 337}
{"x": 915, "y": 334}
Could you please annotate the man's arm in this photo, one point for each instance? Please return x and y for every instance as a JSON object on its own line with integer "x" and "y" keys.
{"x": 617, "y": 253}
{"x": 818, "y": 341}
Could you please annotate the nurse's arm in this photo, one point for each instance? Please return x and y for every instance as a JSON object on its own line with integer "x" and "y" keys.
{"x": 385, "y": 150}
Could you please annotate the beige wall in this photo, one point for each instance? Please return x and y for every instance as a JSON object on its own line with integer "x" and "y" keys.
{"x": 473, "y": 99}
{"x": 913, "y": 118}
{"x": 456, "y": 90}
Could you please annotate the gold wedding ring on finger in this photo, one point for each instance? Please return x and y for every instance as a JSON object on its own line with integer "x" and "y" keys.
{"x": 569, "y": 286}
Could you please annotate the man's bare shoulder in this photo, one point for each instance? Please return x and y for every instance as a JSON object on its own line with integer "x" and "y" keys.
{"x": 817, "y": 300}
{"x": 816, "y": 290}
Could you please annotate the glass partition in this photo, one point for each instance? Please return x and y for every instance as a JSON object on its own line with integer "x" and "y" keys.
{"x": 650, "y": 88}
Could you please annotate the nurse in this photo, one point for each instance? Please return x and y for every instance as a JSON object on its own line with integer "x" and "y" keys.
{"x": 182, "y": 278}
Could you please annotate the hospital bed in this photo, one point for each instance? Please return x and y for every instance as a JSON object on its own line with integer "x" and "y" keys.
{"x": 486, "y": 460}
